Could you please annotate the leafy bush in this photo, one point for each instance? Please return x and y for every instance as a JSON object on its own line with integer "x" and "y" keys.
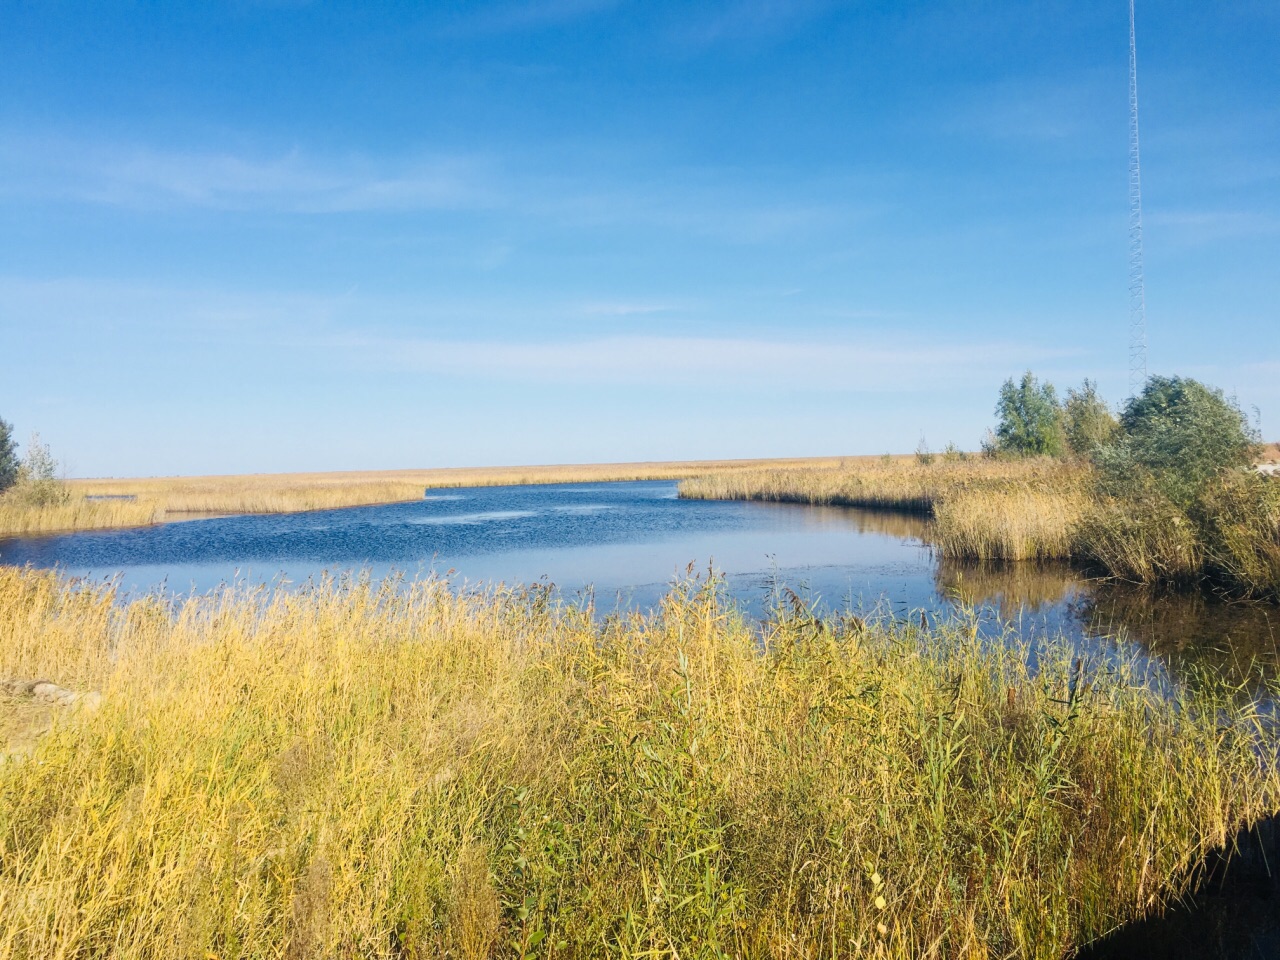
{"x": 1134, "y": 532}
{"x": 924, "y": 456}
{"x": 1184, "y": 433}
{"x": 1030, "y": 419}
{"x": 8, "y": 457}
{"x": 1087, "y": 421}
{"x": 1173, "y": 504}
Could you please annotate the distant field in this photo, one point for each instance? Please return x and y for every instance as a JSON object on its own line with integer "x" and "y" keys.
{"x": 291, "y": 492}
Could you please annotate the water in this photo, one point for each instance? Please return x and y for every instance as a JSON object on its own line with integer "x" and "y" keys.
{"x": 626, "y": 542}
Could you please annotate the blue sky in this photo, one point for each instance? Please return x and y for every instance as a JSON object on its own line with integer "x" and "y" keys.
{"x": 252, "y": 236}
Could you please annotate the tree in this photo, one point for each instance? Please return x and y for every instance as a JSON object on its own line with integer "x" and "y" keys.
{"x": 1185, "y": 433}
{"x": 1087, "y": 421}
{"x": 1030, "y": 420}
{"x": 8, "y": 457}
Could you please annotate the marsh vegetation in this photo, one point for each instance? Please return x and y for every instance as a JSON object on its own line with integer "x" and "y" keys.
{"x": 411, "y": 771}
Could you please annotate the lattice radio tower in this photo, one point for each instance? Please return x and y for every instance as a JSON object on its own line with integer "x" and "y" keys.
{"x": 1137, "y": 286}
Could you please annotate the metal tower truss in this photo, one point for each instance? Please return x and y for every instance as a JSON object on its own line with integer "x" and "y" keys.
{"x": 1137, "y": 284}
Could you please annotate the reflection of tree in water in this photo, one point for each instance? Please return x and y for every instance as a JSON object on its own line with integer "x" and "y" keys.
{"x": 1011, "y": 588}
{"x": 1183, "y": 630}
{"x": 1186, "y": 629}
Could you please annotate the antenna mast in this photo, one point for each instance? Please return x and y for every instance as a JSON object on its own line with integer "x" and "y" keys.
{"x": 1137, "y": 285}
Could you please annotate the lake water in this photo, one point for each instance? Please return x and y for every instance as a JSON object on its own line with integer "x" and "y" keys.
{"x": 626, "y": 542}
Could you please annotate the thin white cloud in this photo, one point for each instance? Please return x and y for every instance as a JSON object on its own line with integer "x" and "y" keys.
{"x": 1207, "y": 226}
{"x": 142, "y": 177}
{"x": 1026, "y": 110}
{"x": 710, "y": 362}
{"x": 727, "y": 205}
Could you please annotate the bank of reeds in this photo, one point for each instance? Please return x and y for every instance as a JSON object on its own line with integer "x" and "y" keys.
{"x": 411, "y": 772}
{"x": 982, "y": 509}
{"x": 986, "y": 510}
{"x": 74, "y": 513}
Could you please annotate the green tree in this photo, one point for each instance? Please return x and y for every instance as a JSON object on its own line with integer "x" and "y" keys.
{"x": 1087, "y": 421}
{"x": 1030, "y": 420}
{"x": 1184, "y": 433}
{"x": 8, "y": 457}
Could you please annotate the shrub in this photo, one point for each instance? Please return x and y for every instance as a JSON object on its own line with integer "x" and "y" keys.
{"x": 1138, "y": 534}
{"x": 924, "y": 456}
{"x": 8, "y": 457}
{"x": 1030, "y": 419}
{"x": 1184, "y": 433}
{"x": 37, "y": 478}
{"x": 1087, "y": 421}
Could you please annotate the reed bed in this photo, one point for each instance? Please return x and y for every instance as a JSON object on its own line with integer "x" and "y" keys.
{"x": 75, "y": 513}
{"x": 982, "y": 509}
{"x": 409, "y": 771}
{"x": 1015, "y": 522}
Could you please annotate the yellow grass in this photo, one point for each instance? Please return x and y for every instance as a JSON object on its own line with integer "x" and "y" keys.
{"x": 76, "y": 514}
{"x": 1012, "y": 522}
{"x": 404, "y": 771}
{"x": 983, "y": 509}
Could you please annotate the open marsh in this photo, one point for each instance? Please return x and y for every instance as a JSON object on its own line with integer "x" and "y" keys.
{"x": 362, "y": 768}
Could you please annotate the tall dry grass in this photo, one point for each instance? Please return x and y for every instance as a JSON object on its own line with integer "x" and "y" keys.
{"x": 406, "y": 771}
{"x": 982, "y": 509}
{"x": 75, "y": 513}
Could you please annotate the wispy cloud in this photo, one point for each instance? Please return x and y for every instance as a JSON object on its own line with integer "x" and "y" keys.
{"x": 1031, "y": 111}
{"x": 555, "y": 186}
{"x": 1189, "y": 228}
{"x": 624, "y": 309}
{"x": 732, "y": 363}
{"x": 54, "y": 168}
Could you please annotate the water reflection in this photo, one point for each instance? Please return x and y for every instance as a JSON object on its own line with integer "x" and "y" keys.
{"x": 1011, "y": 588}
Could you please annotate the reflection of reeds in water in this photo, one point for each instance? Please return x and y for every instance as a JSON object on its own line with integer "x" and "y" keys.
{"x": 407, "y": 771}
{"x": 889, "y": 523}
{"x": 1187, "y": 629}
{"x": 1010, "y": 587}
